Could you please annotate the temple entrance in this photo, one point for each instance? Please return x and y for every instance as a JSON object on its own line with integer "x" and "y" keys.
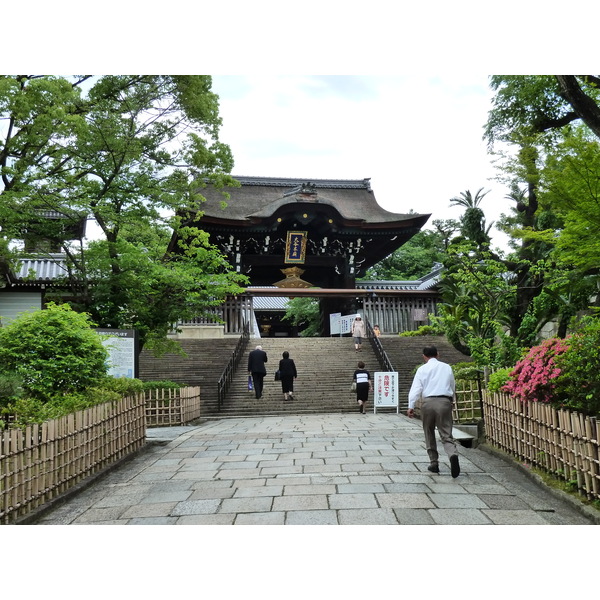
{"x": 291, "y": 235}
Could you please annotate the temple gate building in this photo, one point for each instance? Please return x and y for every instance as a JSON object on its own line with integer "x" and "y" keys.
{"x": 299, "y": 237}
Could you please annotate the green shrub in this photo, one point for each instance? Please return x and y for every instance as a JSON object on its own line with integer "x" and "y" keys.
{"x": 163, "y": 385}
{"x": 11, "y": 388}
{"x": 498, "y": 379}
{"x": 54, "y": 351}
{"x": 33, "y": 410}
{"x": 466, "y": 371}
{"x": 578, "y": 383}
{"x": 123, "y": 386}
{"x": 26, "y": 411}
{"x": 423, "y": 330}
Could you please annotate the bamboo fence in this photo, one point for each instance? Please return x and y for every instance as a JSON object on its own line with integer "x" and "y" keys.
{"x": 467, "y": 408}
{"x": 42, "y": 461}
{"x": 561, "y": 442}
{"x": 172, "y": 407}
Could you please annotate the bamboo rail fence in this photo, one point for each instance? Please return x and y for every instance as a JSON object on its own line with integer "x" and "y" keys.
{"x": 562, "y": 442}
{"x": 42, "y": 461}
{"x": 172, "y": 407}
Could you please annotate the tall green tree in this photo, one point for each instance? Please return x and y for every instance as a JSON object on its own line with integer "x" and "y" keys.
{"x": 472, "y": 225}
{"x": 304, "y": 314}
{"x": 526, "y": 105}
{"x": 535, "y": 116}
{"x": 132, "y": 154}
{"x": 415, "y": 258}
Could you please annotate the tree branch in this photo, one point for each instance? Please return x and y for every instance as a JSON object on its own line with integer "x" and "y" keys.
{"x": 585, "y": 106}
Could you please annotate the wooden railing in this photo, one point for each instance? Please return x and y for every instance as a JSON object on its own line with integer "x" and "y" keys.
{"x": 226, "y": 378}
{"x": 42, "y": 461}
{"x": 382, "y": 357}
{"x": 562, "y": 442}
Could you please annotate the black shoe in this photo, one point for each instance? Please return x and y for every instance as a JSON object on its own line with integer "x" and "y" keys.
{"x": 433, "y": 468}
{"x": 454, "y": 466}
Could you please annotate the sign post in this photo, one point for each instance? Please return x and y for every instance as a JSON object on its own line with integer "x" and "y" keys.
{"x": 334, "y": 324}
{"x": 386, "y": 390}
{"x": 122, "y": 349}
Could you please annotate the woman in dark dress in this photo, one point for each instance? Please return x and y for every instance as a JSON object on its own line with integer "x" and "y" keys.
{"x": 363, "y": 386}
{"x": 287, "y": 368}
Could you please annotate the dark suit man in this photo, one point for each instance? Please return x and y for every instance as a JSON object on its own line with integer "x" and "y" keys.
{"x": 256, "y": 367}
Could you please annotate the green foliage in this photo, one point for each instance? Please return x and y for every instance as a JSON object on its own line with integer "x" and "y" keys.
{"x": 476, "y": 300}
{"x": 524, "y": 105}
{"x": 473, "y": 221}
{"x": 498, "y": 379}
{"x": 551, "y": 166}
{"x": 561, "y": 372}
{"x": 304, "y": 313}
{"x": 123, "y": 386}
{"x": 55, "y": 352}
{"x": 11, "y": 388}
{"x": 572, "y": 190}
{"x": 423, "y": 330}
{"x": 28, "y": 410}
{"x": 578, "y": 385}
{"x": 162, "y": 385}
{"x": 132, "y": 153}
{"x": 413, "y": 260}
{"x": 466, "y": 371}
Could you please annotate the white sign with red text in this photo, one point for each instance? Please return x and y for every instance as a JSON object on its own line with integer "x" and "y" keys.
{"x": 386, "y": 390}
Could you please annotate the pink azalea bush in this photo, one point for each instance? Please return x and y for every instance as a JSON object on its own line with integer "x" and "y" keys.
{"x": 534, "y": 377}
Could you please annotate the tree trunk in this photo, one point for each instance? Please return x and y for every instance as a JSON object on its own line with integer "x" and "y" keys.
{"x": 585, "y": 107}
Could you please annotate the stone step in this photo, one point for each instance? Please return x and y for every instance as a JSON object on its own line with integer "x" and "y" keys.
{"x": 325, "y": 368}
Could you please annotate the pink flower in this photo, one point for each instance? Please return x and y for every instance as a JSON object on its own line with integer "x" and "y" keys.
{"x": 532, "y": 378}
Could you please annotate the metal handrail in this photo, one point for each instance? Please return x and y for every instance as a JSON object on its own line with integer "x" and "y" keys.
{"x": 382, "y": 357}
{"x": 226, "y": 378}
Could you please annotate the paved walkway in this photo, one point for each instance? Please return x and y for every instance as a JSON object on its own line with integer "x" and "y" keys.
{"x": 309, "y": 470}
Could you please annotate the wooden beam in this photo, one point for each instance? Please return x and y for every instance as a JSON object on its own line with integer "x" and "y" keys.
{"x": 325, "y": 292}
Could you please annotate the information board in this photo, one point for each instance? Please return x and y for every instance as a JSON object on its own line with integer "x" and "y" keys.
{"x": 386, "y": 390}
{"x": 339, "y": 325}
{"x": 122, "y": 348}
{"x": 334, "y": 323}
{"x": 346, "y": 323}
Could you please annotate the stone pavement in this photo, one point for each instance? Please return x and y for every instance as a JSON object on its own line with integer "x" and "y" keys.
{"x": 328, "y": 469}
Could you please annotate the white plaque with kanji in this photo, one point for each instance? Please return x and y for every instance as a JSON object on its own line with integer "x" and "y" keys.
{"x": 386, "y": 390}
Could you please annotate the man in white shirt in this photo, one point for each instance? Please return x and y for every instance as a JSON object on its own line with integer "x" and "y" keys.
{"x": 434, "y": 384}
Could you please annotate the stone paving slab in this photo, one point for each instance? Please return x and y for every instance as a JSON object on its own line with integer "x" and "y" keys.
{"x": 309, "y": 470}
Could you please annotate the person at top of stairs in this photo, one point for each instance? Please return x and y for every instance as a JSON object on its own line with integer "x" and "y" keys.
{"x": 358, "y": 333}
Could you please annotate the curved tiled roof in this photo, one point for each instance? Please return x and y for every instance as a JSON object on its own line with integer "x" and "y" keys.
{"x": 427, "y": 282}
{"x": 261, "y": 197}
{"x": 40, "y": 270}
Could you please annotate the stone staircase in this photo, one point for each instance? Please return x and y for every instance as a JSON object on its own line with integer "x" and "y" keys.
{"x": 325, "y": 367}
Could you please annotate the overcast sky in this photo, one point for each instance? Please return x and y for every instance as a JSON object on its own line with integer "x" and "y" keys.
{"x": 418, "y": 138}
